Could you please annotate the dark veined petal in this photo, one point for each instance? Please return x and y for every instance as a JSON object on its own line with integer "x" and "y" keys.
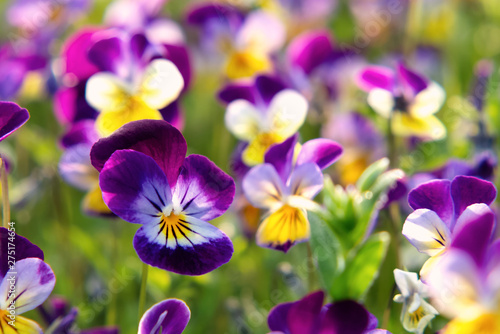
{"x": 203, "y": 190}
{"x": 12, "y": 117}
{"x": 467, "y": 190}
{"x": 22, "y": 246}
{"x": 155, "y": 138}
{"x": 134, "y": 187}
{"x": 183, "y": 244}
{"x": 171, "y": 315}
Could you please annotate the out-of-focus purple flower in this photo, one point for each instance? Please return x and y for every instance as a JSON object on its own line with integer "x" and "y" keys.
{"x": 246, "y": 42}
{"x": 146, "y": 179}
{"x": 309, "y": 316}
{"x": 442, "y": 209}
{"x": 33, "y": 278}
{"x": 286, "y": 188}
{"x": 407, "y": 98}
{"x": 170, "y": 316}
{"x": 12, "y": 117}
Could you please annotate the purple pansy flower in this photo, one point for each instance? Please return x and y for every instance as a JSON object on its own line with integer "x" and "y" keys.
{"x": 309, "y": 316}
{"x": 34, "y": 281}
{"x": 442, "y": 209}
{"x": 286, "y": 186}
{"x": 12, "y": 117}
{"x": 170, "y": 315}
{"x": 147, "y": 179}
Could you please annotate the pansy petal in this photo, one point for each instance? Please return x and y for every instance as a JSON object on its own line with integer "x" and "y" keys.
{"x": 473, "y": 231}
{"x": 82, "y": 132}
{"x": 287, "y": 112}
{"x": 155, "y": 138}
{"x": 261, "y": 31}
{"x": 74, "y": 52}
{"x": 429, "y": 127}
{"x": 93, "y": 203}
{"x": 243, "y": 120}
{"x": 184, "y": 245}
{"x": 304, "y": 314}
{"x": 263, "y": 187}
{"x": 428, "y": 101}
{"x": 346, "y": 317}
{"x": 281, "y": 157}
{"x": 411, "y": 80}
{"x": 467, "y": 190}
{"x": 374, "y": 77}
{"x": 308, "y": 50}
{"x": 382, "y": 101}
{"x": 203, "y": 190}
{"x": 162, "y": 84}
{"x": 427, "y": 232}
{"x": 105, "y": 91}
{"x": 12, "y": 117}
{"x": 134, "y": 187}
{"x": 171, "y": 315}
{"x": 237, "y": 91}
{"x": 34, "y": 280}
{"x": 406, "y": 282}
{"x": 268, "y": 86}
{"x": 277, "y": 319}
{"x": 435, "y": 196}
{"x": 75, "y": 167}
{"x": 107, "y": 54}
{"x": 23, "y": 249}
{"x": 22, "y": 325}
{"x": 284, "y": 228}
{"x": 322, "y": 152}
{"x": 306, "y": 180}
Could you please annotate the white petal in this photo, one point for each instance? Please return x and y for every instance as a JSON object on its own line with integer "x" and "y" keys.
{"x": 428, "y": 101}
{"x": 287, "y": 112}
{"x": 407, "y": 282}
{"x": 472, "y": 212}
{"x": 426, "y": 231}
{"x": 243, "y": 120}
{"x": 263, "y": 187}
{"x": 382, "y": 101}
{"x": 261, "y": 31}
{"x": 104, "y": 91}
{"x": 306, "y": 180}
{"x": 162, "y": 84}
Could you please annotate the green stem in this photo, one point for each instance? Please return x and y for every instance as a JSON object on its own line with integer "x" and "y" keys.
{"x": 5, "y": 194}
{"x": 310, "y": 268}
{"x": 391, "y": 143}
{"x": 142, "y": 293}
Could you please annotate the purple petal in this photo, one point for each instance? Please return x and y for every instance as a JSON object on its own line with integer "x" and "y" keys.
{"x": 172, "y": 315}
{"x": 473, "y": 231}
{"x": 310, "y": 50}
{"x": 435, "y": 196}
{"x": 75, "y": 167}
{"x": 23, "y": 249}
{"x": 82, "y": 132}
{"x": 75, "y": 54}
{"x": 376, "y": 77}
{"x": 179, "y": 55}
{"x": 467, "y": 190}
{"x": 203, "y": 190}
{"x": 411, "y": 79}
{"x": 70, "y": 104}
{"x": 304, "y": 315}
{"x": 237, "y": 91}
{"x": 138, "y": 45}
{"x": 268, "y": 87}
{"x": 12, "y": 117}
{"x": 345, "y": 317}
{"x": 306, "y": 180}
{"x": 134, "y": 187}
{"x": 277, "y": 319}
{"x": 322, "y": 152}
{"x": 192, "y": 247}
{"x": 13, "y": 75}
{"x": 156, "y": 138}
{"x": 281, "y": 157}
{"x": 173, "y": 114}
{"x": 107, "y": 54}
{"x": 201, "y": 14}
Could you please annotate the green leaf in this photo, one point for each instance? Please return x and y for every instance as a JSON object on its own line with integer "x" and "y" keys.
{"x": 326, "y": 250}
{"x": 371, "y": 174}
{"x": 361, "y": 270}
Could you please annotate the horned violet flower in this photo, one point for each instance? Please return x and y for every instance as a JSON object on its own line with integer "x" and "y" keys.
{"x": 146, "y": 179}
{"x": 285, "y": 187}
{"x": 12, "y": 117}
{"x": 169, "y": 316}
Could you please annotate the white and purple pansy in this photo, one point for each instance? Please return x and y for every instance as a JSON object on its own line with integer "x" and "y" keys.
{"x": 442, "y": 209}
{"x": 285, "y": 185}
{"x": 170, "y": 316}
{"x": 25, "y": 282}
{"x": 147, "y": 179}
{"x": 309, "y": 316}
{"x": 12, "y": 117}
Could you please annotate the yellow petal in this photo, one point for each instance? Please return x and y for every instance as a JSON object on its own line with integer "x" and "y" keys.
{"x": 133, "y": 109}
{"x": 20, "y": 325}
{"x": 283, "y": 228}
{"x": 245, "y": 64}
{"x": 256, "y": 149}
{"x": 405, "y": 125}
{"x": 487, "y": 323}
{"x": 93, "y": 202}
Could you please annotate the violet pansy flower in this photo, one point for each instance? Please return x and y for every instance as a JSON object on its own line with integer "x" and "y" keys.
{"x": 406, "y": 97}
{"x": 309, "y": 316}
{"x": 147, "y": 179}
{"x": 34, "y": 281}
{"x": 442, "y": 209}
{"x": 170, "y": 316}
{"x": 286, "y": 187}
{"x": 12, "y": 117}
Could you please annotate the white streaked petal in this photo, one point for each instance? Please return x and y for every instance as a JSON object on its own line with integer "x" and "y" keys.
{"x": 382, "y": 101}
{"x": 105, "y": 91}
{"x": 161, "y": 85}
{"x": 243, "y": 120}
{"x": 263, "y": 187}
{"x": 306, "y": 180}
{"x": 428, "y": 101}
{"x": 426, "y": 231}
{"x": 287, "y": 112}
{"x": 407, "y": 282}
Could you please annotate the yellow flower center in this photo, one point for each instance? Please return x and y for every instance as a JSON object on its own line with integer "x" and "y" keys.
{"x": 488, "y": 323}
{"x": 256, "y": 149}
{"x": 175, "y": 226}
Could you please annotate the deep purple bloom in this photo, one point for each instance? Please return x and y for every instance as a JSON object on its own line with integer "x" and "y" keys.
{"x": 147, "y": 179}
{"x": 309, "y": 316}
{"x": 171, "y": 315}
{"x": 12, "y": 117}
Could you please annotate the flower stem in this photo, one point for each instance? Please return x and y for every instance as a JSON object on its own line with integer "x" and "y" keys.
{"x": 5, "y": 194}
{"x": 311, "y": 277}
{"x": 142, "y": 294}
